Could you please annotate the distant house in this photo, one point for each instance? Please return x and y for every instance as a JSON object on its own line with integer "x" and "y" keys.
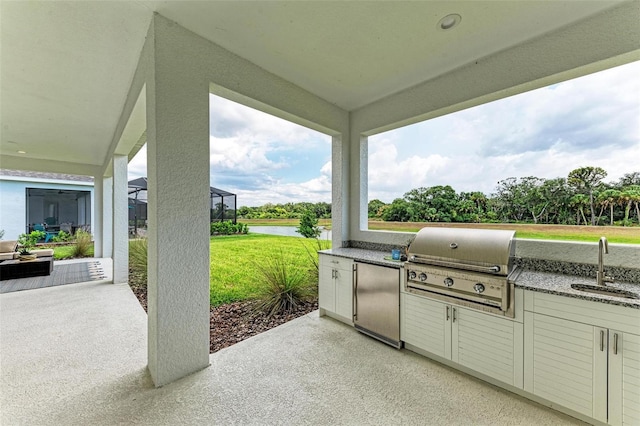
{"x": 59, "y": 201}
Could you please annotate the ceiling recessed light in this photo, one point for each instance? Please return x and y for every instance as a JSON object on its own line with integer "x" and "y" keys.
{"x": 449, "y": 21}
{"x": 22, "y": 152}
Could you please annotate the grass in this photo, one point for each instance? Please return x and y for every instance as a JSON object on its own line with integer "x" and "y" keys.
{"x": 615, "y": 234}
{"x": 235, "y": 260}
{"x": 67, "y": 252}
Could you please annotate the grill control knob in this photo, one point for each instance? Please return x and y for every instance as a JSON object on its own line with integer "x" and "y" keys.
{"x": 412, "y": 275}
{"x": 423, "y": 277}
{"x": 448, "y": 282}
{"x": 479, "y": 288}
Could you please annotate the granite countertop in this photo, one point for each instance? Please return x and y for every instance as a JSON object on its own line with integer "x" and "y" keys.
{"x": 375, "y": 257}
{"x": 528, "y": 279}
{"x": 560, "y": 284}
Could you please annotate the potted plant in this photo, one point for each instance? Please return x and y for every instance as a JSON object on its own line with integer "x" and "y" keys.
{"x": 27, "y": 242}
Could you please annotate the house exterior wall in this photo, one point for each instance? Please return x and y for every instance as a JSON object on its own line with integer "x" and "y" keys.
{"x": 13, "y": 193}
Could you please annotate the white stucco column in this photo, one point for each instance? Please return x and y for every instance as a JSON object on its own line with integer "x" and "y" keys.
{"x": 107, "y": 217}
{"x": 97, "y": 213}
{"x": 340, "y": 189}
{"x": 120, "y": 239}
{"x": 178, "y": 209}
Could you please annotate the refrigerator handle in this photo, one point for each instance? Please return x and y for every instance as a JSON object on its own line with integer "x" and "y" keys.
{"x": 355, "y": 292}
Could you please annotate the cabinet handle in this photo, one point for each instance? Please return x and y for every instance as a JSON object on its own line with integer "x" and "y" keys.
{"x": 454, "y": 314}
{"x": 355, "y": 292}
{"x": 447, "y": 313}
{"x": 601, "y": 340}
{"x": 615, "y": 343}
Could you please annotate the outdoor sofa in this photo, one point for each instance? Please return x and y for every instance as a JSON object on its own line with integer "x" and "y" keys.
{"x": 8, "y": 251}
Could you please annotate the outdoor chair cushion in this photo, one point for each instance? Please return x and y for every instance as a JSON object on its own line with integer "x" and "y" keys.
{"x": 8, "y": 256}
{"x": 43, "y": 252}
{"x": 8, "y": 249}
{"x": 8, "y": 246}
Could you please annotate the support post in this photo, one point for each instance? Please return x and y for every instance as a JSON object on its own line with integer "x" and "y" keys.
{"x": 120, "y": 238}
{"x": 107, "y": 217}
{"x": 98, "y": 214}
{"x": 178, "y": 210}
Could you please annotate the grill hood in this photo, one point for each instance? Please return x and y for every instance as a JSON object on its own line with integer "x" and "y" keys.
{"x": 482, "y": 250}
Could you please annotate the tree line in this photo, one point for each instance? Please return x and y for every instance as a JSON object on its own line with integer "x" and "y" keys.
{"x": 579, "y": 199}
{"x": 285, "y": 211}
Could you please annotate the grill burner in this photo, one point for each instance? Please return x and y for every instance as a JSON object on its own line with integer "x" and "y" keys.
{"x": 469, "y": 267}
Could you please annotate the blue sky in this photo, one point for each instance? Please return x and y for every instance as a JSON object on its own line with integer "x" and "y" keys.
{"x": 590, "y": 121}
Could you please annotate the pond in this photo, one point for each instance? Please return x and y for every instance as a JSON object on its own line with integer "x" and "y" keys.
{"x": 287, "y": 231}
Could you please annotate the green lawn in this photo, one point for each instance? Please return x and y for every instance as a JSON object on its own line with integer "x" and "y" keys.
{"x": 64, "y": 252}
{"x": 235, "y": 261}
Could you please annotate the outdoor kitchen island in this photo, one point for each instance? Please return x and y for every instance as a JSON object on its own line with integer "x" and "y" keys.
{"x": 578, "y": 353}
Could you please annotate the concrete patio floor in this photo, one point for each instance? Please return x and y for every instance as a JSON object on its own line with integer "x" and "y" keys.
{"x": 76, "y": 355}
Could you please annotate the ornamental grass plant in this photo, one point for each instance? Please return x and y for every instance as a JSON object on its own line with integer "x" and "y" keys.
{"x": 312, "y": 252}
{"x": 138, "y": 261}
{"x": 83, "y": 244}
{"x": 285, "y": 286}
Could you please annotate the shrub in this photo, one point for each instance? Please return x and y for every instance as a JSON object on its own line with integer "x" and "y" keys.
{"x": 138, "y": 261}
{"x": 285, "y": 286}
{"x": 308, "y": 225}
{"x": 62, "y": 237}
{"x": 28, "y": 241}
{"x": 82, "y": 246}
{"x": 228, "y": 228}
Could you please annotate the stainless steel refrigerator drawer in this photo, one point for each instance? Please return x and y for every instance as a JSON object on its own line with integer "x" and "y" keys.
{"x": 377, "y": 302}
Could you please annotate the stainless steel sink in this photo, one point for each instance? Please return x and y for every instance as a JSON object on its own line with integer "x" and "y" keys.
{"x": 608, "y": 291}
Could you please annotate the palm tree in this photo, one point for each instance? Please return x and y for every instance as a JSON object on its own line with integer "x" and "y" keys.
{"x": 580, "y": 201}
{"x": 587, "y": 179}
{"x": 631, "y": 196}
{"x": 608, "y": 198}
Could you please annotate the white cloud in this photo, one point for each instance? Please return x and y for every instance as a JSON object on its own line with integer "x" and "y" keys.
{"x": 592, "y": 121}
{"x": 138, "y": 164}
{"x": 259, "y": 157}
{"x": 275, "y": 191}
{"x": 230, "y": 119}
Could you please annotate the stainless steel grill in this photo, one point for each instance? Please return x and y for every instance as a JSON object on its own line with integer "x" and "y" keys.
{"x": 469, "y": 267}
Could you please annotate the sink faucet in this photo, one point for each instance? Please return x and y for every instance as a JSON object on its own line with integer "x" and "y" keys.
{"x": 603, "y": 247}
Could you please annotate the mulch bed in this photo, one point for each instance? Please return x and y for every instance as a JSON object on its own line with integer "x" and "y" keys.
{"x": 233, "y": 322}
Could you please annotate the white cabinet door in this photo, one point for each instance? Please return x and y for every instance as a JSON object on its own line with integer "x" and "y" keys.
{"x": 344, "y": 293}
{"x": 566, "y": 362}
{"x": 624, "y": 378}
{"x": 335, "y": 286}
{"x": 424, "y": 324}
{"x": 487, "y": 344}
{"x": 326, "y": 288}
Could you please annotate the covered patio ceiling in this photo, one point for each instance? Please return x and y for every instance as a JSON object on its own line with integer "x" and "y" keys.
{"x": 67, "y": 66}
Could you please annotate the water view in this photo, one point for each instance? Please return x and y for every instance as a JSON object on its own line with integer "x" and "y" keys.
{"x": 287, "y": 231}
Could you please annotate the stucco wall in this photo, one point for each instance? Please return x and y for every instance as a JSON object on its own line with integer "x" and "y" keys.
{"x": 13, "y": 214}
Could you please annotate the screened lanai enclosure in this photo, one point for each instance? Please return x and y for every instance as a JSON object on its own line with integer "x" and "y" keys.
{"x": 222, "y": 205}
{"x": 57, "y": 210}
